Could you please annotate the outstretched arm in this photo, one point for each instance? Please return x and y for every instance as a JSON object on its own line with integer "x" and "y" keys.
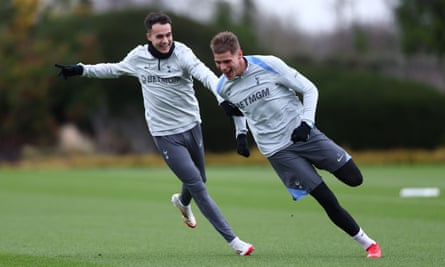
{"x": 103, "y": 70}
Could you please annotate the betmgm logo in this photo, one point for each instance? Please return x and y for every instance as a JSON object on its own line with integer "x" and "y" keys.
{"x": 145, "y": 79}
{"x": 253, "y": 98}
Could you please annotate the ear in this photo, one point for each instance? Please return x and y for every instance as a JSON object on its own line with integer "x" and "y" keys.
{"x": 148, "y": 36}
{"x": 240, "y": 53}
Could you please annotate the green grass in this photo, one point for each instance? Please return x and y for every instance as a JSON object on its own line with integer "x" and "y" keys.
{"x": 123, "y": 217}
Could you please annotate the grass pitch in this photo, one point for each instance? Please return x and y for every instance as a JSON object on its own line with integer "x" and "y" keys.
{"x": 123, "y": 217}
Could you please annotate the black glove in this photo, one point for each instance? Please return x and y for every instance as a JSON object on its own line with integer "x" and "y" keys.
{"x": 69, "y": 70}
{"x": 301, "y": 133}
{"x": 230, "y": 109}
{"x": 242, "y": 145}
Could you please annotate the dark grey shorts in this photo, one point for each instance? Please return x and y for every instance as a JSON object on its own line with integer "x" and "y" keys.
{"x": 295, "y": 165}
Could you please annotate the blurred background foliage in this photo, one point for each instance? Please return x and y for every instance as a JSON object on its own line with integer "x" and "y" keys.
{"x": 369, "y": 95}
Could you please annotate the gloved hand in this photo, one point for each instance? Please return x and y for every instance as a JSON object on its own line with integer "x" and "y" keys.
{"x": 242, "y": 145}
{"x": 230, "y": 109}
{"x": 301, "y": 133}
{"x": 69, "y": 70}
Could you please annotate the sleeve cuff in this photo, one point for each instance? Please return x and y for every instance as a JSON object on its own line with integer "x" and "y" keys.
{"x": 309, "y": 123}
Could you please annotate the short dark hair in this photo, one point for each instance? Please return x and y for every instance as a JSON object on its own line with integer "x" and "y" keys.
{"x": 223, "y": 42}
{"x": 154, "y": 18}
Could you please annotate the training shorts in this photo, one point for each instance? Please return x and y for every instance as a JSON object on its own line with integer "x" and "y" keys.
{"x": 295, "y": 165}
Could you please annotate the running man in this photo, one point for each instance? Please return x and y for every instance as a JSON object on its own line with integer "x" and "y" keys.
{"x": 264, "y": 89}
{"x": 165, "y": 69}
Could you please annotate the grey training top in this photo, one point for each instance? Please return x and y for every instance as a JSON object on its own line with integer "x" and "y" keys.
{"x": 266, "y": 94}
{"x": 170, "y": 103}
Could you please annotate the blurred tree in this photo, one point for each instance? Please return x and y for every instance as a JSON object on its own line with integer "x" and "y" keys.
{"x": 422, "y": 25}
{"x": 20, "y": 85}
{"x": 244, "y": 25}
{"x": 25, "y": 91}
{"x": 224, "y": 14}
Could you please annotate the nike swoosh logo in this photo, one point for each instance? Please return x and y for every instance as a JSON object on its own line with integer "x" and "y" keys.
{"x": 340, "y": 157}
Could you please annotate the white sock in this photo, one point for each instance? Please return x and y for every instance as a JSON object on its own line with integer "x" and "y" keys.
{"x": 363, "y": 239}
{"x": 234, "y": 242}
{"x": 182, "y": 205}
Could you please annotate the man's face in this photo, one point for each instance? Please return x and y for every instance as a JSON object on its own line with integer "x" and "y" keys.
{"x": 231, "y": 65}
{"x": 161, "y": 37}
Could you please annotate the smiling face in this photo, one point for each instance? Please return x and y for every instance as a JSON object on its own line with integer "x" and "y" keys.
{"x": 231, "y": 65}
{"x": 161, "y": 37}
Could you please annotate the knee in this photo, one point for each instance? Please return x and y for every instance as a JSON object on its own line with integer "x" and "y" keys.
{"x": 195, "y": 187}
{"x": 355, "y": 179}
